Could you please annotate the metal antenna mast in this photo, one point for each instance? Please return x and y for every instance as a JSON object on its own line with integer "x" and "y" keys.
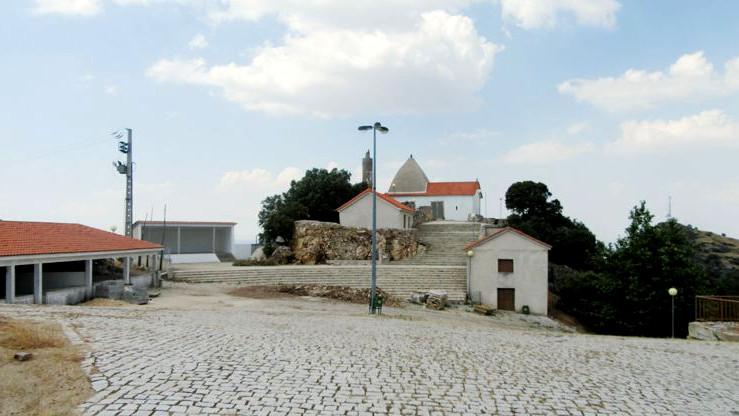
{"x": 127, "y": 169}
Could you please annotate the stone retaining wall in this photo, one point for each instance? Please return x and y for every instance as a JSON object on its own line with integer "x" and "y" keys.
{"x": 316, "y": 242}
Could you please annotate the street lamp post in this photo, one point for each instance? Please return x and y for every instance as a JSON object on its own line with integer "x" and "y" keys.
{"x": 470, "y": 253}
{"x": 672, "y": 291}
{"x": 373, "y": 283}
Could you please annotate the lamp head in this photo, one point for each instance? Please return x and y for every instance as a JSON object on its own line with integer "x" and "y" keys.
{"x": 672, "y": 291}
{"x": 365, "y": 128}
{"x": 470, "y": 253}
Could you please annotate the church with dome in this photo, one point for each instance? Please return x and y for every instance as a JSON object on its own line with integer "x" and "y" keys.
{"x": 456, "y": 201}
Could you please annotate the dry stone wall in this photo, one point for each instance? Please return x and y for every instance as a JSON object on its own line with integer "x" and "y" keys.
{"x": 316, "y": 242}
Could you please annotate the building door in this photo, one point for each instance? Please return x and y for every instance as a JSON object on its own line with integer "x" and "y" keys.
{"x": 506, "y": 299}
{"x": 437, "y": 209}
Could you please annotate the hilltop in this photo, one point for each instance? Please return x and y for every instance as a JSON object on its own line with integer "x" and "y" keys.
{"x": 719, "y": 254}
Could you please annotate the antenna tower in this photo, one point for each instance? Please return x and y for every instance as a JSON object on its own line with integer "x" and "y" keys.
{"x": 127, "y": 169}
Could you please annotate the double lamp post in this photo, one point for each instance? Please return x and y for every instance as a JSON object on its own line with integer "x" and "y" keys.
{"x": 373, "y": 282}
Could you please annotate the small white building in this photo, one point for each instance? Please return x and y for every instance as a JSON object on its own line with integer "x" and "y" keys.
{"x": 509, "y": 270}
{"x": 189, "y": 241}
{"x": 357, "y": 212}
{"x": 448, "y": 200}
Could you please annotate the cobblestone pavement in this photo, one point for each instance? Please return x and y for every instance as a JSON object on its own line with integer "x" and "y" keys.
{"x": 303, "y": 357}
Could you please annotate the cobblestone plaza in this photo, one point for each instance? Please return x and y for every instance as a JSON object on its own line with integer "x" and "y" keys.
{"x": 309, "y": 357}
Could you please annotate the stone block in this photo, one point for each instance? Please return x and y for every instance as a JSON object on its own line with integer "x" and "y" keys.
{"x": 136, "y": 295}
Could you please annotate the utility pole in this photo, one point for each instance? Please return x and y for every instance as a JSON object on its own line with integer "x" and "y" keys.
{"x": 127, "y": 169}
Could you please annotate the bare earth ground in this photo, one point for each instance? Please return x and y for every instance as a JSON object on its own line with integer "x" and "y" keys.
{"x": 198, "y": 350}
{"x": 52, "y": 382}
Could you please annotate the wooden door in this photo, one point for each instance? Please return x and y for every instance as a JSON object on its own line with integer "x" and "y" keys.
{"x": 507, "y": 299}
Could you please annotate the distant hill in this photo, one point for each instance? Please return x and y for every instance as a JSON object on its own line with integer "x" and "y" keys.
{"x": 720, "y": 256}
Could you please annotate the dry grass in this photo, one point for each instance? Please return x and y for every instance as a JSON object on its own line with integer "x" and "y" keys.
{"x": 52, "y": 382}
{"x": 563, "y": 317}
{"x": 726, "y": 248}
{"x": 22, "y": 335}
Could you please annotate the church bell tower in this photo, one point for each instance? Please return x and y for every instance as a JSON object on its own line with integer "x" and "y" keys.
{"x": 367, "y": 169}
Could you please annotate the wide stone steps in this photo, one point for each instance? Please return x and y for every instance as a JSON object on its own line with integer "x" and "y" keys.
{"x": 444, "y": 243}
{"x": 399, "y": 281}
{"x": 470, "y": 227}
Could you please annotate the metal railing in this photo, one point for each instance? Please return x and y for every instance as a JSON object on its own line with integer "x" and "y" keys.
{"x": 717, "y": 308}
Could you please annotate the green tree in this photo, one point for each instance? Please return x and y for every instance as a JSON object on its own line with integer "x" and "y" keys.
{"x": 534, "y": 213}
{"x": 629, "y": 296}
{"x": 529, "y": 199}
{"x": 315, "y": 196}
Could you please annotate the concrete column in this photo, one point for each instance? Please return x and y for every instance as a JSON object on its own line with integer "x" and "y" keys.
{"x": 38, "y": 283}
{"x": 214, "y": 239}
{"x": 126, "y": 270}
{"x": 88, "y": 279}
{"x": 154, "y": 270}
{"x": 178, "y": 240}
{"x": 10, "y": 284}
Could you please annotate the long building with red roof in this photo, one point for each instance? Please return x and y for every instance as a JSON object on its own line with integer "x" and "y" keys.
{"x": 448, "y": 200}
{"x": 46, "y": 262}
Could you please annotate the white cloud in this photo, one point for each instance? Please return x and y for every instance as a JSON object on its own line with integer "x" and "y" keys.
{"x": 535, "y": 14}
{"x": 544, "y": 152}
{"x": 198, "y": 42}
{"x": 332, "y": 165}
{"x": 439, "y": 66}
{"x": 690, "y": 77}
{"x": 315, "y": 15}
{"x": 67, "y": 7}
{"x": 258, "y": 179}
{"x": 711, "y": 128}
{"x": 110, "y": 90}
{"x": 478, "y": 137}
{"x": 578, "y": 128}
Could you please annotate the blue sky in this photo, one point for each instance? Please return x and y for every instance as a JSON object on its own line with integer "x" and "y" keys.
{"x": 607, "y": 102}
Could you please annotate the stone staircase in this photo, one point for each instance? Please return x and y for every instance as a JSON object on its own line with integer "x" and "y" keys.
{"x": 398, "y": 280}
{"x": 444, "y": 241}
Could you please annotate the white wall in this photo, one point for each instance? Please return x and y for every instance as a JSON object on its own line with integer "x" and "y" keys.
{"x": 456, "y": 208}
{"x": 193, "y": 238}
{"x": 529, "y": 277}
{"x": 359, "y": 214}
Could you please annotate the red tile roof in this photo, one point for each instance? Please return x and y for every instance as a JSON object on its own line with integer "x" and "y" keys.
{"x": 20, "y": 238}
{"x": 382, "y": 196}
{"x": 206, "y": 223}
{"x": 444, "y": 188}
{"x": 503, "y": 231}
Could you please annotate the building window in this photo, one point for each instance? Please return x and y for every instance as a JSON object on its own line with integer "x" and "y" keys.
{"x": 505, "y": 266}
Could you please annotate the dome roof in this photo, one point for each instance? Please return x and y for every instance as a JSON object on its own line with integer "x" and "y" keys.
{"x": 410, "y": 178}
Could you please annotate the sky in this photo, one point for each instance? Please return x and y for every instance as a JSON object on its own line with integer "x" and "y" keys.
{"x": 608, "y": 102}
